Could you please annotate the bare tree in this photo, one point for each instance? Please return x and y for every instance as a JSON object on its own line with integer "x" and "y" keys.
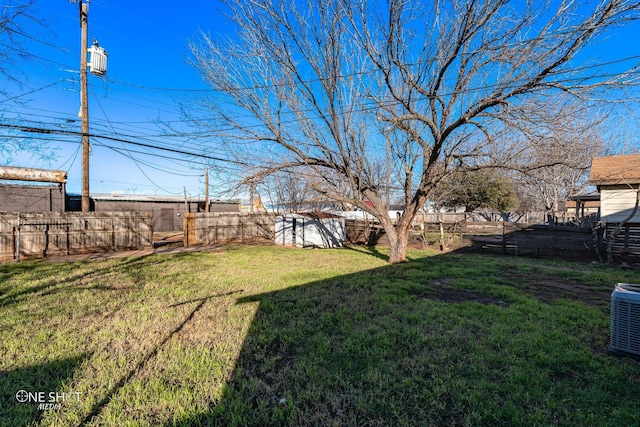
{"x": 566, "y": 145}
{"x": 19, "y": 25}
{"x": 290, "y": 192}
{"x": 16, "y": 18}
{"x": 327, "y": 86}
{"x": 287, "y": 192}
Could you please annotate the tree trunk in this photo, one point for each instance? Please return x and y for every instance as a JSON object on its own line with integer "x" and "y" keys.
{"x": 398, "y": 241}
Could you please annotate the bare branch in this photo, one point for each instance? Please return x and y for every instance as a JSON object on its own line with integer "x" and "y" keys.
{"x": 321, "y": 88}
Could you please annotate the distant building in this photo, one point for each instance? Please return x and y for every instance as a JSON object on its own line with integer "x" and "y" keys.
{"x": 16, "y": 195}
{"x": 583, "y": 206}
{"x": 168, "y": 211}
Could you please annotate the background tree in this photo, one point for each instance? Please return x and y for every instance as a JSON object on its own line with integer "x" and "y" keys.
{"x": 484, "y": 188}
{"x": 17, "y": 20}
{"x": 287, "y": 192}
{"x": 19, "y": 25}
{"x": 579, "y": 140}
{"x": 348, "y": 88}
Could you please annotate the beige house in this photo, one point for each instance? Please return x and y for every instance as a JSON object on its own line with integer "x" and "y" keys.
{"x": 618, "y": 182}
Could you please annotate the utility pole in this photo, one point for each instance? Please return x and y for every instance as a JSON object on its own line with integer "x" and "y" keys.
{"x": 186, "y": 205}
{"x": 206, "y": 189}
{"x": 84, "y": 103}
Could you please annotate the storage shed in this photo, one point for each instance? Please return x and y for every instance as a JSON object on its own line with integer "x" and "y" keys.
{"x": 618, "y": 181}
{"x": 310, "y": 229}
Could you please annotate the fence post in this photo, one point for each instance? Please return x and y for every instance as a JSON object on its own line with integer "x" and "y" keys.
{"x": 68, "y": 239}
{"x": 504, "y": 239}
{"x": 18, "y": 244}
{"x": 442, "y": 244}
{"x": 113, "y": 235}
{"x": 46, "y": 241}
{"x": 185, "y": 223}
{"x": 13, "y": 241}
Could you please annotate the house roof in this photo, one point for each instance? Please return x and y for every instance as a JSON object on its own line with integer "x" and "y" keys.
{"x": 613, "y": 170}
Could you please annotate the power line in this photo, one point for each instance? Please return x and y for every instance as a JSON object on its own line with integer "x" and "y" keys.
{"x": 137, "y": 163}
{"x": 71, "y": 159}
{"x": 101, "y": 144}
{"x": 120, "y": 133}
{"x": 391, "y": 103}
{"x": 32, "y": 91}
{"x": 76, "y": 133}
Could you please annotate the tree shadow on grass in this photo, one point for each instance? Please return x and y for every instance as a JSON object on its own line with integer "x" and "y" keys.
{"x": 398, "y": 345}
{"x": 22, "y": 410}
{"x": 352, "y": 350}
{"x": 369, "y": 250}
{"x": 106, "y": 399}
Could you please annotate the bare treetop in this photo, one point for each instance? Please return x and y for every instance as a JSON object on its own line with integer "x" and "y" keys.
{"x": 364, "y": 98}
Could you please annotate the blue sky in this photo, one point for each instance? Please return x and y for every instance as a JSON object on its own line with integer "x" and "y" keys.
{"x": 148, "y": 71}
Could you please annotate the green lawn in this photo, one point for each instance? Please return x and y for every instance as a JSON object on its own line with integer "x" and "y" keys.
{"x": 279, "y": 336}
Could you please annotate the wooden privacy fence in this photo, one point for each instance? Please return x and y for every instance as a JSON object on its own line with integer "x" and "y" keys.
{"x": 501, "y": 237}
{"x": 40, "y": 234}
{"x": 562, "y": 242}
{"x": 473, "y": 217}
{"x": 371, "y": 232}
{"x": 626, "y": 244}
{"x": 215, "y": 228}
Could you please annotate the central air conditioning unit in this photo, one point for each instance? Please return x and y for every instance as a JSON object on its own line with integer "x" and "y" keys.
{"x": 625, "y": 319}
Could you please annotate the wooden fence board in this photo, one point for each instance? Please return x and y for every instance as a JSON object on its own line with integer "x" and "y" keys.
{"x": 43, "y": 234}
{"x": 215, "y": 228}
{"x": 627, "y": 242}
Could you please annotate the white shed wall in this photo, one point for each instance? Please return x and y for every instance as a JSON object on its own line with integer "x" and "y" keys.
{"x": 616, "y": 204}
{"x": 301, "y": 231}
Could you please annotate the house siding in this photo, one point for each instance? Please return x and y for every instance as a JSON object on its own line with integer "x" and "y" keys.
{"x": 617, "y": 203}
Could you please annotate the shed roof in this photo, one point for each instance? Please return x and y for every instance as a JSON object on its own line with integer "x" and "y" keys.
{"x": 613, "y": 170}
{"x": 314, "y": 215}
{"x": 587, "y": 197}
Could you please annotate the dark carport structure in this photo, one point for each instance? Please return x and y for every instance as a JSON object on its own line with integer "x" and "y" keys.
{"x": 32, "y": 190}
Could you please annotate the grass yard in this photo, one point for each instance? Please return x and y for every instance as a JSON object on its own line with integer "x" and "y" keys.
{"x": 278, "y": 336}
